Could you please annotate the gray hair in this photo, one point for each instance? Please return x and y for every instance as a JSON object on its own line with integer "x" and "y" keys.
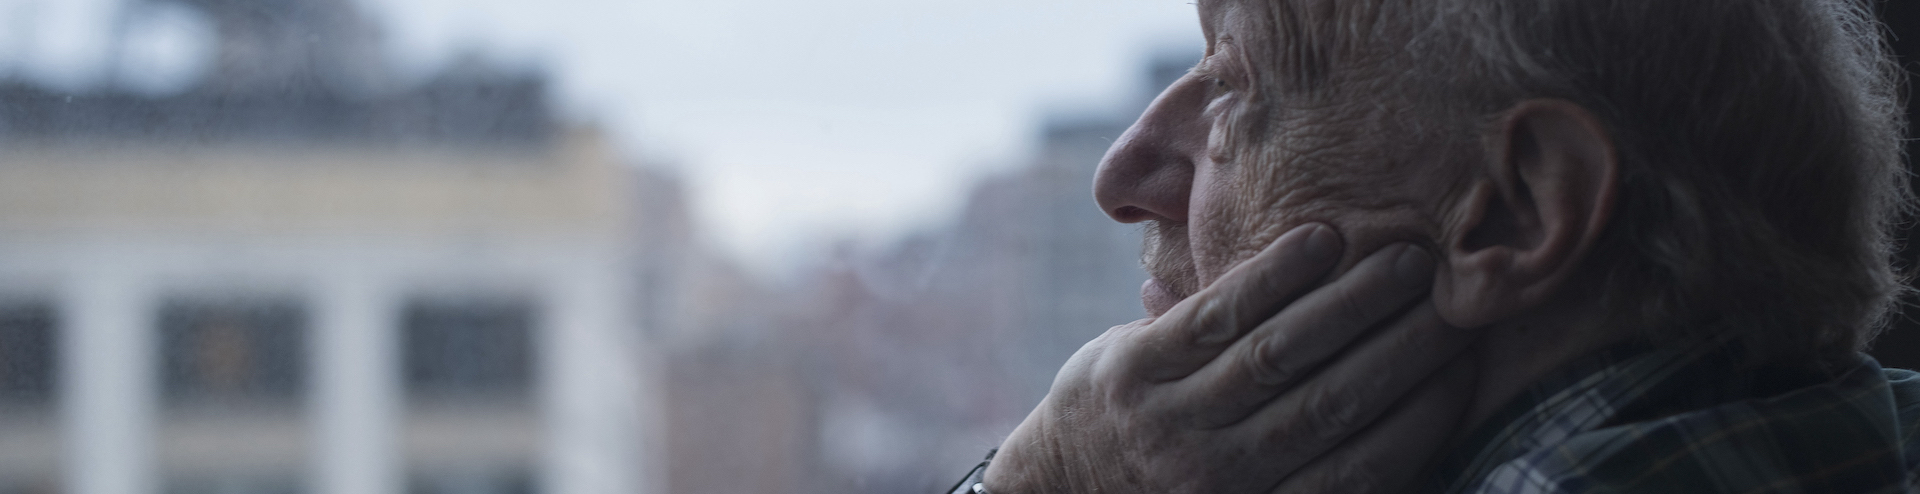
{"x": 1761, "y": 171}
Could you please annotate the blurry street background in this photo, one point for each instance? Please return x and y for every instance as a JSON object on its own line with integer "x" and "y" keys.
{"x": 572, "y": 246}
{"x": 565, "y": 247}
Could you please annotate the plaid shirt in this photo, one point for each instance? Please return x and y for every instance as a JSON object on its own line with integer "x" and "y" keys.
{"x": 1685, "y": 420}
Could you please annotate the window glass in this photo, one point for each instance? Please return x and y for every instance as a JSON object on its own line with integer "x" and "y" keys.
{"x": 28, "y": 353}
{"x": 235, "y": 483}
{"x": 468, "y": 348}
{"x": 30, "y": 338}
{"x": 472, "y": 481}
{"x": 233, "y": 350}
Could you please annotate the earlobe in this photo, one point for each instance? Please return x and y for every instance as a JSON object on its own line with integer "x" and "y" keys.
{"x": 1534, "y": 206}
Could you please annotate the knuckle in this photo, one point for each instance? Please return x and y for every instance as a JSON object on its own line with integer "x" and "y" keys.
{"x": 1111, "y": 386}
{"x": 1332, "y": 412}
{"x": 1213, "y": 322}
{"x": 1114, "y": 335}
{"x": 1265, "y": 365}
{"x": 1087, "y": 363}
{"x": 1105, "y": 373}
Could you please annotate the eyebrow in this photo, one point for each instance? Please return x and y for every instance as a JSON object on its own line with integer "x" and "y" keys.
{"x": 1234, "y": 69}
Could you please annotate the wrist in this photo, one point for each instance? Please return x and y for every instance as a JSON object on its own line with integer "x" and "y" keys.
{"x": 1026, "y": 464}
{"x": 1034, "y": 460}
{"x": 994, "y": 479}
{"x": 971, "y": 484}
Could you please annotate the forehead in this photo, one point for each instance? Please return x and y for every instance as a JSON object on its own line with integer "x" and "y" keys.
{"x": 1304, "y": 42}
{"x": 1213, "y": 14}
{"x": 1242, "y": 20}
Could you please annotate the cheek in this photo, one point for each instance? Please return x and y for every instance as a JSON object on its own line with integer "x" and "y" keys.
{"x": 1237, "y": 210}
{"x": 1207, "y": 222}
{"x": 1244, "y": 197}
{"x": 1228, "y": 220}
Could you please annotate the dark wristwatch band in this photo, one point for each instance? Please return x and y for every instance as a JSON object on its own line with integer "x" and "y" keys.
{"x": 971, "y": 483}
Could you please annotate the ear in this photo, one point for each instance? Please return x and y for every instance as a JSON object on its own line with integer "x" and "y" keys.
{"x": 1531, "y": 211}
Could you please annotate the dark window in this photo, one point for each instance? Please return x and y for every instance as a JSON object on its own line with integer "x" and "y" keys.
{"x": 233, "y": 350}
{"x": 235, "y": 484}
{"x": 468, "y": 347}
{"x": 473, "y": 481}
{"x": 28, "y": 354}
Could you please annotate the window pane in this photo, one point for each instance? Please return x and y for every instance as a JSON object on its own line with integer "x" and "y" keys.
{"x": 239, "y": 483}
{"x": 233, "y": 350}
{"x": 468, "y": 347}
{"x": 472, "y": 481}
{"x": 27, "y": 353}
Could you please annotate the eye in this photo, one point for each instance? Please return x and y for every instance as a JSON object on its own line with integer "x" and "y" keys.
{"x": 1216, "y": 87}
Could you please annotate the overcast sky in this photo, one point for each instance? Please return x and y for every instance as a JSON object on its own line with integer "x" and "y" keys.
{"x": 791, "y": 122}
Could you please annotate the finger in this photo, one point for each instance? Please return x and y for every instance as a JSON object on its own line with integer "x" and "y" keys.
{"x": 1088, "y": 360}
{"x": 1390, "y": 455}
{"x": 1288, "y": 346}
{"x": 1195, "y": 330}
{"x": 1346, "y": 395}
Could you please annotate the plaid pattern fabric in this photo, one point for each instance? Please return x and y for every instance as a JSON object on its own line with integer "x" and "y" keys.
{"x": 1635, "y": 419}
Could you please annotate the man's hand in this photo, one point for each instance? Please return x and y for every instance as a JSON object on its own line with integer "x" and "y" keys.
{"x": 1259, "y": 383}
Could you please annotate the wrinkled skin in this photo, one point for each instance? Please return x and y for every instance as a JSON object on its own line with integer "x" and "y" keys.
{"x": 1228, "y": 392}
{"x": 1293, "y": 345}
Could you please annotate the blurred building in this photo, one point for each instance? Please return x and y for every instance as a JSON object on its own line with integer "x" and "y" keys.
{"x": 290, "y": 278}
{"x": 895, "y": 366}
{"x": 960, "y": 331}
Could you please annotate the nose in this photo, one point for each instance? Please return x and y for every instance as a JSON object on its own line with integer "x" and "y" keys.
{"x": 1148, "y": 173}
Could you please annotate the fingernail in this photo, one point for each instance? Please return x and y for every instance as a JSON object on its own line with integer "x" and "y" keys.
{"x": 1414, "y": 267}
{"x": 1322, "y": 243}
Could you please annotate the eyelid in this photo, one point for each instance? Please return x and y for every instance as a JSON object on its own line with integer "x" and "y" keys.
{"x": 1217, "y": 66}
{"x": 1205, "y": 72}
{"x": 1215, "y": 80}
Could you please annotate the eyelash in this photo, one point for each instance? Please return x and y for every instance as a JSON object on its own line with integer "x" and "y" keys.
{"x": 1216, "y": 82}
{"x": 1210, "y": 68}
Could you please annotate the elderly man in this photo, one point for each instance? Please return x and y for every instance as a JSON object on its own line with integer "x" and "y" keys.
{"x": 1500, "y": 246}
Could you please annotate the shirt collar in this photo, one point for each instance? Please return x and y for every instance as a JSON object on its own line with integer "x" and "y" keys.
{"x": 1578, "y": 397}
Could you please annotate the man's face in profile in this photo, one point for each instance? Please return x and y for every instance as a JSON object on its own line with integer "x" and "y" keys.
{"x": 1225, "y": 160}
